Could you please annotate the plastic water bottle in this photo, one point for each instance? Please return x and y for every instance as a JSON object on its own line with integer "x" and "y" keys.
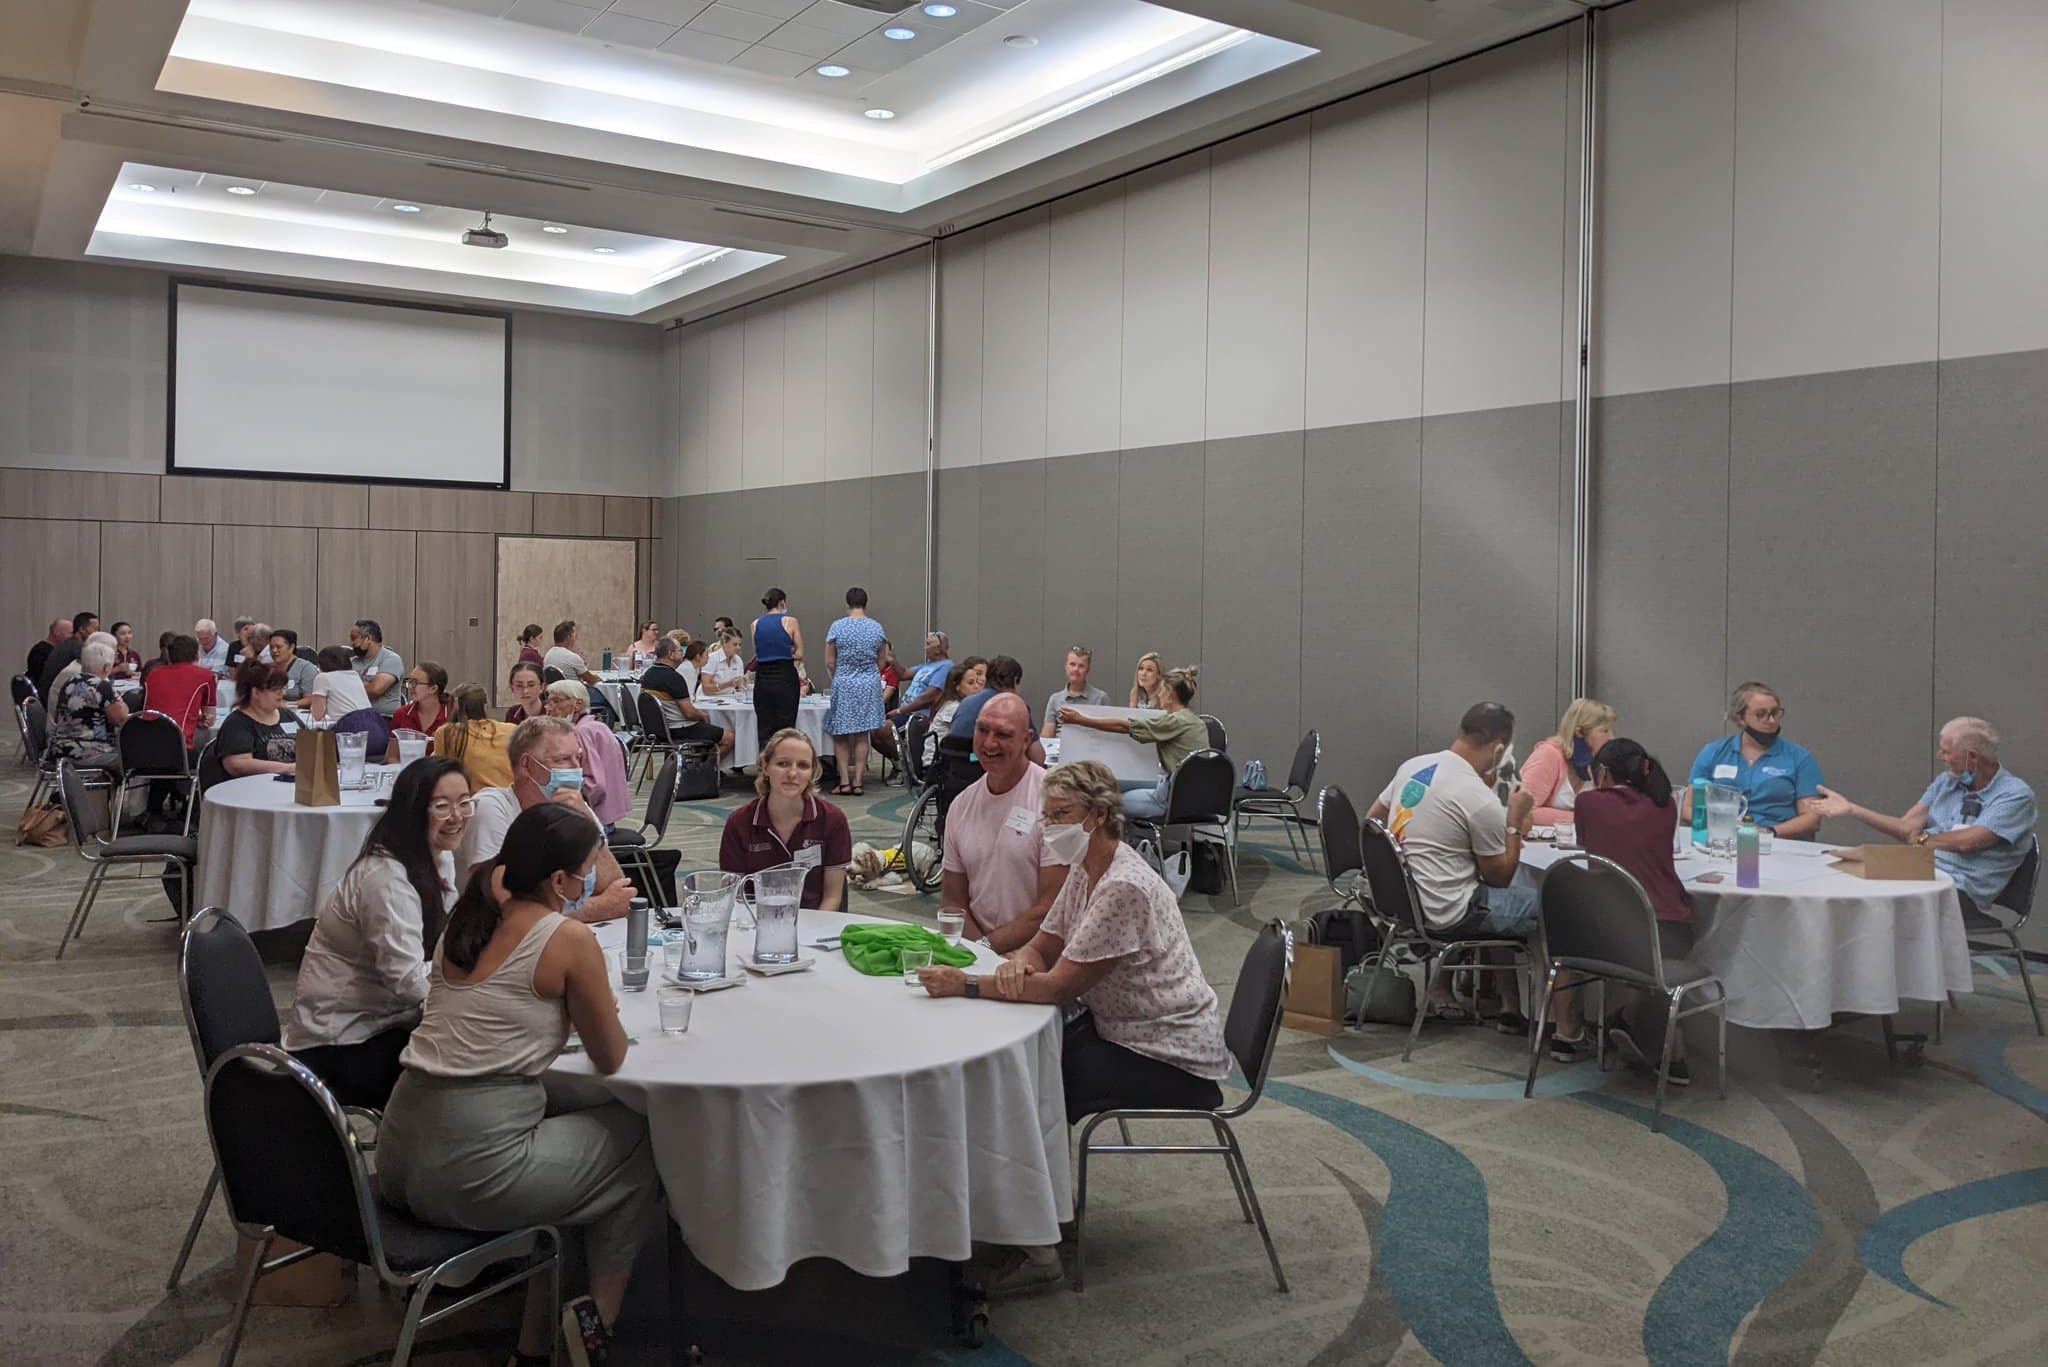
{"x": 1748, "y": 856}
{"x": 1699, "y": 813}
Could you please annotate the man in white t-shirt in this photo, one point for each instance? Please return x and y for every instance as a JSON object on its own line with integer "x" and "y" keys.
{"x": 562, "y": 655}
{"x": 1461, "y": 847}
{"x": 542, "y": 750}
{"x": 997, "y": 868}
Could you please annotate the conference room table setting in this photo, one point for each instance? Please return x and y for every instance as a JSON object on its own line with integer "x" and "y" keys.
{"x": 735, "y": 714}
{"x": 1811, "y": 941}
{"x": 829, "y": 1113}
{"x": 273, "y": 861}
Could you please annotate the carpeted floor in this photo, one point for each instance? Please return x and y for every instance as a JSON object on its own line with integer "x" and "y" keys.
{"x": 1422, "y": 1210}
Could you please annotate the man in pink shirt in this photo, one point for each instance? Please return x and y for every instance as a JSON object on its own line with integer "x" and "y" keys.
{"x": 997, "y": 868}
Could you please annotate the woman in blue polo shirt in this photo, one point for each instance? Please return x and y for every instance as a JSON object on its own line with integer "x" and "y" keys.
{"x": 1777, "y": 776}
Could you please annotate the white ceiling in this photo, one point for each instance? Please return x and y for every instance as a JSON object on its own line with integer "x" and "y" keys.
{"x": 666, "y": 129}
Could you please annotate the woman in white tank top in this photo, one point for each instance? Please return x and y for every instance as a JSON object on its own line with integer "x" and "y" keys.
{"x": 470, "y": 1137}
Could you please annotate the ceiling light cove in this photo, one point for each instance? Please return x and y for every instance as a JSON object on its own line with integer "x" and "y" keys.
{"x": 743, "y": 92}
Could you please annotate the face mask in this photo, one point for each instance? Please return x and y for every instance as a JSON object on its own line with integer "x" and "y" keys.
{"x": 1067, "y": 843}
{"x": 572, "y": 905}
{"x": 1582, "y": 756}
{"x": 1764, "y": 738}
{"x": 558, "y": 779}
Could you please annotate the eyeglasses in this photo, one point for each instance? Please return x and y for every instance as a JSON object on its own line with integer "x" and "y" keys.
{"x": 1768, "y": 713}
{"x": 1059, "y": 814}
{"x": 441, "y": 808}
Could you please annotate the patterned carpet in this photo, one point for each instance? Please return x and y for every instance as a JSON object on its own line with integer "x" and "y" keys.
{"x": 1422, "y": 1210}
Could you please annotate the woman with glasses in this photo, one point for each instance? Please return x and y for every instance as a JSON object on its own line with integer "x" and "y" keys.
{"x": 252, "y": 739}
{"x": 426, "y": 704}
{"x": 1781, "y": 780}
{"x": 364, "y": 974}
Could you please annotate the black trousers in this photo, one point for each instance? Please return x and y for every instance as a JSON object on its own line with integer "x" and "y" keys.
{"x": 777, "y": 691}
{"x": 1101, "y": 1076}
{"x": 361, "y": 1074}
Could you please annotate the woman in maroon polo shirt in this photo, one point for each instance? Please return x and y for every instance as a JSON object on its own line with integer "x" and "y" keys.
{"x": 1631, "y": 817}
{"x": 790, "y": 824}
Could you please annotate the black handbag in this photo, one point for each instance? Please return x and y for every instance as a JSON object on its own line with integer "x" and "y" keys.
{"x": 697, "y": 778}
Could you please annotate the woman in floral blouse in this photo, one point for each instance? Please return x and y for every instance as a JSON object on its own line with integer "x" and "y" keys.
{"x": 87, "y": 712}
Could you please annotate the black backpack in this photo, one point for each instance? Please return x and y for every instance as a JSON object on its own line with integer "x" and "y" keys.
{"x": 1347, "y": 930}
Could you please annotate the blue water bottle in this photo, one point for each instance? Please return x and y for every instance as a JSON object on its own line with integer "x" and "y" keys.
{"x": 1699, "y": 813}
{"x": 1748, "y": 856}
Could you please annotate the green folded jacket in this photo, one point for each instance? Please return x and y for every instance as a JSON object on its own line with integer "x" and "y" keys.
{"x": 878, "y": 950}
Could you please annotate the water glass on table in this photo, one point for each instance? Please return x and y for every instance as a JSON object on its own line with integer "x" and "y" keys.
{"x": 676, "y": 1004}
{"x": 633, "y": 970}
{"x": 952, "y": 921}
{"x": 913, "y": 960}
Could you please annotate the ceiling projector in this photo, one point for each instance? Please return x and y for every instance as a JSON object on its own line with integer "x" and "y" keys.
{"x": 484, "y": 235}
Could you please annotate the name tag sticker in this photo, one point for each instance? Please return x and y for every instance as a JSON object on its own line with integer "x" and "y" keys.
{"x": 809, "y": 857}
{"x": 1722, "y": 771}
{"x": 1022, "y": 820}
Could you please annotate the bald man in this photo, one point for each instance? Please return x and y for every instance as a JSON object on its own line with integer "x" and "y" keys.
{"x": 997, "y": 868}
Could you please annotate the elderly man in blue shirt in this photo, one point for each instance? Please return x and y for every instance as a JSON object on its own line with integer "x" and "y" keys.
{"x": 1977, "y": 815}
{"x": 1780, "y": 779}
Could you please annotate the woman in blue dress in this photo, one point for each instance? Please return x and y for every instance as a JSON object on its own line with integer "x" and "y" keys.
{"x": 853, "y": 653}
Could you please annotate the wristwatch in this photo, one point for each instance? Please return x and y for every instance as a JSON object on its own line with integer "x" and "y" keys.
{"x": 973, "y": 988}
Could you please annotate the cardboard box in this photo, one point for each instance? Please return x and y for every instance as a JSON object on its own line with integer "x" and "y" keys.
{"x": 1315, "y": 993}
{"x": 1891, "y": 863}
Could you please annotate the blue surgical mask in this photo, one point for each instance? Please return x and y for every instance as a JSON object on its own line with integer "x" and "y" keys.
{"x": 572, "y": 905}
{"x": 558, "y": 779}
{"x": 1582, "y": 756}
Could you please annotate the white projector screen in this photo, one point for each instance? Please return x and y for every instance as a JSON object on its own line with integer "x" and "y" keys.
{"x": 298, "y": 386}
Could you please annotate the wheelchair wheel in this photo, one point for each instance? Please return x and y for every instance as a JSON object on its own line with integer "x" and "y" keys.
{"x": 923, "y": 854}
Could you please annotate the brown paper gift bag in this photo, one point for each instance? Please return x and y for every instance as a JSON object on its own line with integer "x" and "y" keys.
{"x": 1900, "y": 863}
{"x": 1315, "y": 993}
{"x": 318, "y": 761}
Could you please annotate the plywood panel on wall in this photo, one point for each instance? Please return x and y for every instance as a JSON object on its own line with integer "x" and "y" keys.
{"x": 568, "y": 515}
{"x": 455, "y": 609}
{"x": 629, "y": 517}
{"x": 264, "y": 502}
{"x": 51, "y": 569}
{"x": 399, "y": 508}
{"x": 78, "y": 494}
{"x": 271, "y": 573}
{"x": 367, "y": 574}
{"x": 158, "y": 577}
{"x": 551, "y": 579}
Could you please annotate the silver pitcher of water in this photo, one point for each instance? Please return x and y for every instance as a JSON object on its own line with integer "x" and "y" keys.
{"x": 776, "y": 895}
{"x": 707, "y": 898}
{"x": 1726, "y": 807}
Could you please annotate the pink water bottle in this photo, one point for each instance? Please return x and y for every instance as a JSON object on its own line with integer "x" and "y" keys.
{"x": 1748, "y": 856}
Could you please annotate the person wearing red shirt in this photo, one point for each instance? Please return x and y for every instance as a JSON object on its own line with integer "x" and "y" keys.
{"x": 790, "y": 824}
{"x": 425, "y": 708}
{"x": 181, "y": 689}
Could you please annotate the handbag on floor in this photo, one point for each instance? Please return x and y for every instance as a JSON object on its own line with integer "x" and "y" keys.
{"x": 42, "y": 827}
{"x": 697, "y": 778}
{"x": 1377, "y": 994}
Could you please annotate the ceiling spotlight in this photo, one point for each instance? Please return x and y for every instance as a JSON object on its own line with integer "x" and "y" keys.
{"x": 144, "y": 186}
{"x": 833, "y": 70}
{"x": 1020, "y": 40}
{"x": 881, "y": 113}
{"x": 405, "y": 208}
{"x": 901, "y": 35}
{"x": 605, "y": 251}
{"x": 553, "y": 228}
{"x": 241, "y": 189}
{"x": 940, "y": 11}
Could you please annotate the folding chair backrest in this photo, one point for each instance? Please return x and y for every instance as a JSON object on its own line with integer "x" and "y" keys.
{"x": 551, "y": 675}
{"x": 22, "y": 688}
{"x": 652, "y": 723}
{"x": 85, "y": 817}
{"x": 38, "y": 722}
{"x": 1201, "y": 789}
{"x": 152, "y": 745}
{"x": 662, "y": 800}
{"x": 1252, "y": 1026}
{"x": 1393, "y": 892}
{"x": 2019, "y": 889}
{"x": 223, "y": 987}
{"x": 1218, "y": 737}
{"x": 1302, "y": 772}
{"x": 1595, "y": 913}
{"x": 1337, "y": 827}
{"x": 286, "y": 1159}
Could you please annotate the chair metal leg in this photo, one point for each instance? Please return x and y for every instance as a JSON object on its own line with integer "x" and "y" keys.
{"x": 1721, "y": 1045}
{"x": 1422, "y": 1007}
{"x": 2027, "y": 981}
{"x": 1536, "y": 1037}
{"x": 1236, "y": 1184}
{"x": 87, "y": 895}
{"x": 1081, "y": 1202}
{"x": 240, "y": 1319}
{"x": 415, "y": 1307}
{"x": 1123, "y": 1128}
{"x": 1937, "y": 1022}
{"x": 1236, "y": 1156}
{"x": 192, "y": 1230}
{"x": 1664, "y": 1064}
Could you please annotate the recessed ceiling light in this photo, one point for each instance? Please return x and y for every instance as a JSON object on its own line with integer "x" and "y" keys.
{"x": 833, "y": 70}
{"x": 553, "y": 228}
{"x": 405, "y": 208}
{"x": 881, "y": 113}
{"x": 901, "y": 35}
{"x": 241, "y": 189}
{"x": 144, "y": 186}
{"x": 605, "y": 251}
{"x": 940, "y": 11}
{"x": 1020, "y": 40}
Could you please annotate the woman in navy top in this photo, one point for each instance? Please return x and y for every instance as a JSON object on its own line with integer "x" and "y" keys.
{"x": 778, "y": 646}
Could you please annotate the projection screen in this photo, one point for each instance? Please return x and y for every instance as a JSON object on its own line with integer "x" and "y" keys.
{"x": 296, "y": 386}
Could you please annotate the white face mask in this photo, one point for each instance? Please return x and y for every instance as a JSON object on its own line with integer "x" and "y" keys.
{"x": 1067, "y": 843}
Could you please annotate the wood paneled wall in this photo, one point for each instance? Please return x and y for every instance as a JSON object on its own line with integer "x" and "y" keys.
{"x": 164, "y": 551}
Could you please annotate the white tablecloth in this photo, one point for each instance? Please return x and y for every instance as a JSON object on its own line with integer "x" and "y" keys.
{"x": 1812, "y": 941}
{"x": 269, "y": 861}
{"x": 734, "y": 714}
{"x": 830, "y": 1114}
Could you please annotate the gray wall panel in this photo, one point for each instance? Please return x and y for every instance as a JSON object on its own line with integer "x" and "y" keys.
{"x": 957, "y": 557}
{"x": 1830, "y": 592}
{"x": 1082, "y": 558}
{"x": 1360, "y": 586}
{"x": 1011, "y": 618}
{"x": 802, "y": 529}
{"x": 1659, "y": 580}
{"x": 1251, "y": 594}
{"x": 896, "y": 559}
{"x": 1490, "y": 542}
{"x": 1159, "y": 572}
{"x": 840, "y": 551}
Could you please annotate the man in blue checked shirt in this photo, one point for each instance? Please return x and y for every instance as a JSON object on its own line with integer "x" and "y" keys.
{"x": 1977, "y": 815}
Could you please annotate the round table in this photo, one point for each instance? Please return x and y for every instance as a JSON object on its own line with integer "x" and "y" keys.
{"x": 737, "y": 716}
{"x": 1812, "y": 941}
{"x": 269, "y": 861}
{"x": 831, "y": 1114}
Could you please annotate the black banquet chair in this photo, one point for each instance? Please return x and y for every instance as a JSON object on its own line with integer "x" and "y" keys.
{"x": 1198, "y": 799}
{"x": 177, "y": 853}
{"x": 632, "y": 848}
{"x": 1978, "y": 922}
{"x": 1284, "y": 804}
{"x": 1250, "y": 1031}
{"x": 152, "y": 747}
{"x": 292, "y": 1167}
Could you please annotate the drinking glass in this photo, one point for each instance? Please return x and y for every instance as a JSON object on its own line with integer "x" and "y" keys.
{"x": 675, "y": 949}
{"x": 914, "y": 959}
{"x": 633, "y": 972}
{"x": 1567, "y": 835}
{"x": 675, "y": 1004}
{"x": 354, "y": 749}
{"x": 412, "y": 745}
{"x": 952, "y": 920}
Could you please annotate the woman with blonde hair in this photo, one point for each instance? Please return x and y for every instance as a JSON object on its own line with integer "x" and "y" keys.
{"x": 474, "y": 740}
{"x": 1176, "y": 731}
{"x": 1147, "y": 685}
{"x": 1560, "y": 765}
{"x": 788, "y": 823}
